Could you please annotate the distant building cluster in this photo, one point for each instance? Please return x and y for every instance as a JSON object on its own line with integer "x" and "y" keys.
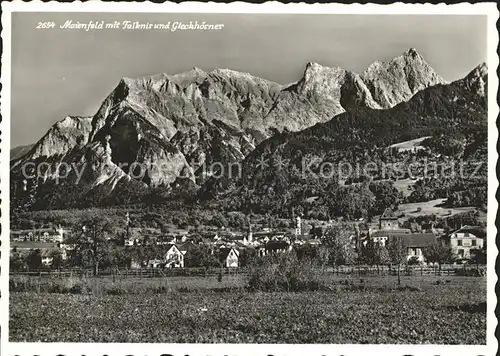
{"x": 48, "y": 235}
{"x": 461, "y": 240}
{"x": 228, "y": 246}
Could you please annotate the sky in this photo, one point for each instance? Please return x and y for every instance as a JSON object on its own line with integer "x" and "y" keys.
{"x": 58, "y": 72}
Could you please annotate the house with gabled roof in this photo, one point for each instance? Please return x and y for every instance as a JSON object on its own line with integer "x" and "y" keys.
{"x": 174, "y": 257}
{"x": 388, "y": 220}
{"x": 155, "y": 263}
{"x": 278, "y": 246}
{"x": 186, "y": 247}
{"x": 465, "y": 239}
{"x": 229, "y": 257}
{"x": 381, "y": 237}
{"x": 415, "y": 243}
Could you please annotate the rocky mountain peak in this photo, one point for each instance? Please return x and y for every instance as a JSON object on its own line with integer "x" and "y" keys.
{"x": 477, "y": 80}
{"x": 480, "y": 71}
{"x": 63, "y": 136}
{"x": 411, "y": 52}
{"x": 399, "y": 79}
{"x": 316, "y": 71}
{"x": 185, "y": 120}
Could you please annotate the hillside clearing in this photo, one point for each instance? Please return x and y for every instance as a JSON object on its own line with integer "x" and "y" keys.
{"x": 407, "y": 145}
{"x": 431, "y": 207}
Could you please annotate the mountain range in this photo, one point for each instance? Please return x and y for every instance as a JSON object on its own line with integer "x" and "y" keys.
{"x": 176, "y": 125}
{"x": 284, "y": 171}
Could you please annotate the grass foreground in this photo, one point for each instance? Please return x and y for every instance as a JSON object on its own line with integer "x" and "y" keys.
{"x": 434, "y": 310}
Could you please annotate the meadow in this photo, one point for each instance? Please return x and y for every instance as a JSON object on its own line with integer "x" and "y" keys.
{"x": 372, "y": 309}
{"x": 435, "y": 207}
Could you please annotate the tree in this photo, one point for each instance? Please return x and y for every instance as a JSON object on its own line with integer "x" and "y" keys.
{"x": 17, "y": 262}
{"x": 352, "y": 202}
{"x": 478, "y": 256}
{"x": 94, "y": 236}
{"x": 382, "y": 255}
{"x": 397, "y": 253}
{"x": 118, "y": 256}
{"x": 438, "y": 253}
{"x": 34, "y": 259}
{"x": 386, "y": 195}
{"x": 140, "y": 254}
{"x": 246, "y": 256}
{"x": 337, "y": 246}
{"x": 201, "y": 256}
{"x": 306, "y": 252}
{"x": 57, "y": 259}
{"x": 413, "y": 260}
{"x": 316, "y": 231}
{"x": 219, "y": 220}
{"x": 368, "y": 253}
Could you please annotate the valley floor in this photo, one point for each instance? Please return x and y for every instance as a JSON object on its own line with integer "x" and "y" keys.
{"x": 428, "y": 309}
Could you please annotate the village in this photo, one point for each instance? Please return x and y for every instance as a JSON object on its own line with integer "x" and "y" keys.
{"x": 232, "y": 248}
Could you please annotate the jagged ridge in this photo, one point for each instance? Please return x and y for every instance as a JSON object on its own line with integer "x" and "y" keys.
{"x": 183, "y": 121}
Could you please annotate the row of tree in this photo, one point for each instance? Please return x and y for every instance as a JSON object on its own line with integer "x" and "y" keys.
{"x": 338, "y": 248}
{"x": 96, "y": 243}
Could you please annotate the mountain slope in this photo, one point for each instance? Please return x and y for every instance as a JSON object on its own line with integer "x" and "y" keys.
{"x": 324, "y": 92}
{"x": 399, "y": 79}
{"x": 173, "y": 132}
{"x": 19, "y": 151}
{"x": 288, "y": 169}
{"x": 62, "y": 137}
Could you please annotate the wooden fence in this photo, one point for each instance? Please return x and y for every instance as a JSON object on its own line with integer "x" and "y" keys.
{"x": 353, "y": 270}
{"x": 411, "y": 270}
{"x": 134, "y": 272}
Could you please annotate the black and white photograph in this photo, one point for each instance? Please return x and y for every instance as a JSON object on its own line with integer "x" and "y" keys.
{"x": 249, "y": 177}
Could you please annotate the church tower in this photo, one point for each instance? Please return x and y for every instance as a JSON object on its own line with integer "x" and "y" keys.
{"x": 250, "y": 233}
{"x": 298, "y": 226}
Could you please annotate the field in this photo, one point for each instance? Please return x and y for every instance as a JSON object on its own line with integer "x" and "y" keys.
{"x": 408, "y": 145}
{"x": 432, "y": 207}
{"x": 404, "y": 185}
{"x": 428, "y": 309}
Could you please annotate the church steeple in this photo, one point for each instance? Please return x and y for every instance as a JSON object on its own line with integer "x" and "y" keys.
{"x": 298, "y": 226}
{"x": 250, "y": 232}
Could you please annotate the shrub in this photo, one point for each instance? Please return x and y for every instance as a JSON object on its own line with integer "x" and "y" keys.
{"x": 30, "y": 284}
{"x": 19, "y": 284}
{"x": 116, "y": 290}
{"x": 74, "y": 286}
{"x": 414, "y": 261}
{"x": 56, "y": 288}
{"x": 161, "y": 289}
{"x": 469, "y": 272}
{"x": 283, "y": 272}
{"x": 410, "y": 288}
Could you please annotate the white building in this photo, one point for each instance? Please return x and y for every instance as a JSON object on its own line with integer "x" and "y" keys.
{"x": 298, "y": 226}
{"x": 174, "y": 257}
{"x": 229, "y": 257}
{"x": 464, "y": 240}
